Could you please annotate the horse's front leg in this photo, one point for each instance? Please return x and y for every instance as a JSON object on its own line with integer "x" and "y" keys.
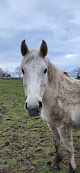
{"x": 57, "y": 143}
{"x": 66, "y": 136}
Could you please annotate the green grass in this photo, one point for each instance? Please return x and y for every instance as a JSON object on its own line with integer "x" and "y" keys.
{"x": 26, "y": 144}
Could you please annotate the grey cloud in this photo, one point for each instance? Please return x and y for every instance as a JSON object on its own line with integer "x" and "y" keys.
{"x": 57, "y": 22}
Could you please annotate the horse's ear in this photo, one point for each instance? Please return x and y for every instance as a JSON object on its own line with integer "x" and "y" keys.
{"x": 43, "y": 49}
{"x": 24, "y": 48}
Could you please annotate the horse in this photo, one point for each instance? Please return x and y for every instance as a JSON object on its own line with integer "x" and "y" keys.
{"x": 54, "y": 95}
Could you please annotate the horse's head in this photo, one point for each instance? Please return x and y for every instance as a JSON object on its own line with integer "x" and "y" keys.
{"x": 34, "y": 69}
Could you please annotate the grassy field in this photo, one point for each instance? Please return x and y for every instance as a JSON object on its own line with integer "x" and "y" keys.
{"x": 26, "y": 144}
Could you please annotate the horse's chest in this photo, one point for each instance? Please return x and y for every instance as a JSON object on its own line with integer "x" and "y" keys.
{"x": 54, "y": 115}
{"x": 50, "y": 116}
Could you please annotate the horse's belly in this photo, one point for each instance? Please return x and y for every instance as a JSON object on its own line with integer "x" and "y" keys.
{"x": 77, "y": 115}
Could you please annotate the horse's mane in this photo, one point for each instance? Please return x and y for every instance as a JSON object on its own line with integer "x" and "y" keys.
{"x": 53, "y": 71}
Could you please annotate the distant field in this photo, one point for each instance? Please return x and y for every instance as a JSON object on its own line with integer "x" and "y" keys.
{"x": 26, "y": 144}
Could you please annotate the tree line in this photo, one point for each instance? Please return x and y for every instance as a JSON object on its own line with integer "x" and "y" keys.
{"x": 75, "y": 73}
{"x": 4, "y": 74}
{"x": 7, "y": 74}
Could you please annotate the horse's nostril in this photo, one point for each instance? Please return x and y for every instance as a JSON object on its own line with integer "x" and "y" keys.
{"x": 26, "y": 105}
{"x": 40, "y": 105}
{"x": 33, "y": 106}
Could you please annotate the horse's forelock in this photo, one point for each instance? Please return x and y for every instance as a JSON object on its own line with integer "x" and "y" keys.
{"x": 26, "y": 58}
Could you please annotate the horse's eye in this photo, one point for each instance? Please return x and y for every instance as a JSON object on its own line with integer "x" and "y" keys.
{"x": 22, "y": 71}
{"x": 46, "y": 69}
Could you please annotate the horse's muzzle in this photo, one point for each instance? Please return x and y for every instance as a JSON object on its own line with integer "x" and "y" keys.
{"x": 33, "y": 108}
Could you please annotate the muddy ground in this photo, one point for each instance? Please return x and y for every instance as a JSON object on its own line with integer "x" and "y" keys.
{"x": 26, "y": 144}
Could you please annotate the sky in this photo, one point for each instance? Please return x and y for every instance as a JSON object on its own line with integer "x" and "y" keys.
{"x": 55, "y": 21}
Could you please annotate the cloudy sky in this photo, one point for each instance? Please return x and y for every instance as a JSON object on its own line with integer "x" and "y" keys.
{"x": 55, "y": 21}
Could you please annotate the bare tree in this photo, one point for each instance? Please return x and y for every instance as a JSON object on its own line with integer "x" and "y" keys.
{"x": 1, "y": 72}
{"x": 16, "y": 71}
{"x": 75, "y": 73}
{"x": 4, "y": 74}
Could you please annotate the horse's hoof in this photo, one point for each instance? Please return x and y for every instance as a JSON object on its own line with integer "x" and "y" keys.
{"x": 54, "y": 166}
{"x": 71, "y": 170}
